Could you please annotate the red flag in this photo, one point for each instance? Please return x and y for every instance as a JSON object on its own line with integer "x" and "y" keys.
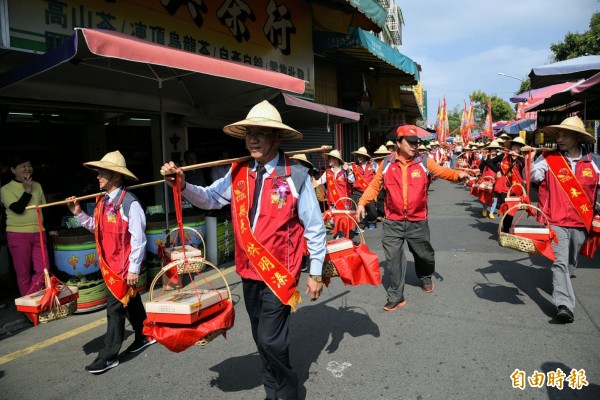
{"x": 488, "y": 131}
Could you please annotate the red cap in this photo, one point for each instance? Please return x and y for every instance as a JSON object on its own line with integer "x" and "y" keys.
{"x": 408, "y": 132}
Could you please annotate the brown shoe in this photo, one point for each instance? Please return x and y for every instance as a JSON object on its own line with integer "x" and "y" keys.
{"x": 427, "y": 285}
{"x": 392, "y": 305}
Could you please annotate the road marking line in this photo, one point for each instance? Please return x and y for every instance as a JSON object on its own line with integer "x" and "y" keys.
{"x": 56, "y": 339}
{"x": 67, "y": 335}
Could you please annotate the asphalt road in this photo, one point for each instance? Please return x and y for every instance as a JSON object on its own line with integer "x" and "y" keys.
{"x": 490, "y": 315}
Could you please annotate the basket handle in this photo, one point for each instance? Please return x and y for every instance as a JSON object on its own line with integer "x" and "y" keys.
{"x": 176, "y": 231}
{"x": 514, "y": 185}
{"x": 345, "y": 198}
{"x": 522, "y": 206}
{"x": 176, "y": 263}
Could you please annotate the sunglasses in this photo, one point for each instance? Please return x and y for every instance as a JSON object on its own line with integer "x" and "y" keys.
{"x": 258, "y": 134}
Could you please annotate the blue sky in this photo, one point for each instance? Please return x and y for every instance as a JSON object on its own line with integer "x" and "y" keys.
{"x": 462, "y": 45}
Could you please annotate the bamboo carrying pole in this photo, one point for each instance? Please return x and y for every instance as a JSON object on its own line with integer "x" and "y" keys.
{"x": 184, "y": 168}
{"x": 240, "y": 159}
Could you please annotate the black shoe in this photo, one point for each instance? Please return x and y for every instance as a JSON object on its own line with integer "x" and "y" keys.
{"x": 427, "y": 285}
{"x": 564, "y": 315}
{"x": 392, "y": 305}
{"x": 99, "y": 365}
{"x": 140, "y": 345}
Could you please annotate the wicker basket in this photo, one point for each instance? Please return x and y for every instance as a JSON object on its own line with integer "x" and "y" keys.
{"x": 516, "y": 242}
{"x": 193, "y": 265}
{"x": 58, "y": 312}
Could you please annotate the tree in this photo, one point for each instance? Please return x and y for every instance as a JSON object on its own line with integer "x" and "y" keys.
{"x": 579, "y": 44}
{"x": 454, "y": 117}
{"x": 525, "y": 85}
{"x": 501, "y": 110}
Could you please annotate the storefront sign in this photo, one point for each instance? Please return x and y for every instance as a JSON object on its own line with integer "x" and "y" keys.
{"x": 263, "y": 33}
{"x": 545, "y": 118}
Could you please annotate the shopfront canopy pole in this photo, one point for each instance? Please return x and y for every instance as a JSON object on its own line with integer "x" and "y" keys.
{"x": 163, "y": 136}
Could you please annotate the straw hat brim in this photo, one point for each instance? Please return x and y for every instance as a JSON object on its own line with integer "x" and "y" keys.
{"x": 239, "y": 129}
{"x": 306, "y": 163}
{"x": 583, "y": 136}
{"x": 95, "y": 165}
{"x": 360, "y": 153}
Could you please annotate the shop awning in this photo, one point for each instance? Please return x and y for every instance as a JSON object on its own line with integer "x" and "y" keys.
{"x": 340, "y": 15}
{"x": 298, "y": 112}
{"x": 588, "y": 89}
{"x": 513, "y": 128}
{"x": 571, "y": 70}
{"x": 409, "y": 104}
{"x": 116, "y": 70}
{"x": 385, "y": 68}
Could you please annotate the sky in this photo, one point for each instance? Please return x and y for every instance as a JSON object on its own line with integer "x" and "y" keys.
{"x": 462, "y": 45}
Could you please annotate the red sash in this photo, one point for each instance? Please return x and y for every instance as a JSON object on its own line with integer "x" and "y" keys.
{"x": 332, "y": 187}
{"x": 275, "y": 275}
{"x": 571, "y": 186}
{"x": 115, "y": 283}
{"x": 359, "y": 177}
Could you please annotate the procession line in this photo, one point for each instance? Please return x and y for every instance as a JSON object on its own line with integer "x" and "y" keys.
{"x": 67, "y": 335}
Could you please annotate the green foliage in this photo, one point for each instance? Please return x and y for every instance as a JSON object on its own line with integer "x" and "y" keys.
{"x": 525, "y": 85}
{"x": 579, "y": 44}
{"x": 454, "y": 117}
{"x": 501, "y": 110}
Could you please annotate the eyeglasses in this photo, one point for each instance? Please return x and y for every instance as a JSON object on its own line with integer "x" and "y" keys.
{"x": 258, "y": 134}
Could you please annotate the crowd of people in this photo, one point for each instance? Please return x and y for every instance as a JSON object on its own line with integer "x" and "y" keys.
{"x": 277, "y": 207}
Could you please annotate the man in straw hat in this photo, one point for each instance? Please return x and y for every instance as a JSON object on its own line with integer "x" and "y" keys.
{"x": 508, "y": 168}
{"x": 405, "y": 177}
{"x": 569, "y": 182}
{"x": 364, "y": 169}
{"x": 270, "y": 216}
{"x": 119, "y": 225}
{"x": 390, "y": 145}
{"x": 492, "y": 151}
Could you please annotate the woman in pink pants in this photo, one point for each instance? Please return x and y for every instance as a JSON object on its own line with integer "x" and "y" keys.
{"x": 22, "y": 231}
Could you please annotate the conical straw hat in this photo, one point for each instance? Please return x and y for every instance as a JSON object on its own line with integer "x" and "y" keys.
{"x": 113, "y": 161}
{"x": 266, "y": 116}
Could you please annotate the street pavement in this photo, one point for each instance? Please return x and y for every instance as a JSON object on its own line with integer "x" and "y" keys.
{"x": 490, "y": 317}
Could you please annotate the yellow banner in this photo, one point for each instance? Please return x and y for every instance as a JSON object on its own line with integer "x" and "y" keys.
{"x": 263, "y": 33}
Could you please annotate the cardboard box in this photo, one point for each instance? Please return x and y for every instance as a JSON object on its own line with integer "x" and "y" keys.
{"x": 176, "y": 253}
{"x": 338, "y": 248}
{"x": 31, "y": 302}
{"x": 531, "y": 232}
{"x": 186, "y": 307}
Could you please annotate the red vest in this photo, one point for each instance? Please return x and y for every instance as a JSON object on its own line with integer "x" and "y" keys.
{"x": 513, "y": 175}
{"x": 342, "y": 185}
{"x": 367, "y": 175}
{"x": 418, "y": 183}
{"x": 552, "y": 199}
{"x": 278, "y": 229}
{"x": 113, "y": 239}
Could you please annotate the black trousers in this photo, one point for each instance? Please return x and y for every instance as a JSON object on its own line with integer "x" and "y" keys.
{"x": 508, "y": 219}
{"x": 269, "y": 319}
{"x": 115, "y": 330}
{"x": 370, "y": 209}
{"x": 417, "y": 236}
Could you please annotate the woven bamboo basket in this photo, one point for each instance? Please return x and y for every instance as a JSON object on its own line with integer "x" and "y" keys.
{"x": 172, "y": 237}
{"x": 57, "y": 311}
{"x": 193, "y": 265}
{"x": 516, "y": 242}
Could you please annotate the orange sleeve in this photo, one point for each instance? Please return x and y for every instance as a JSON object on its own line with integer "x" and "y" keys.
{"x": 436, "y": 169}
{"x": 373, "y": 189}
